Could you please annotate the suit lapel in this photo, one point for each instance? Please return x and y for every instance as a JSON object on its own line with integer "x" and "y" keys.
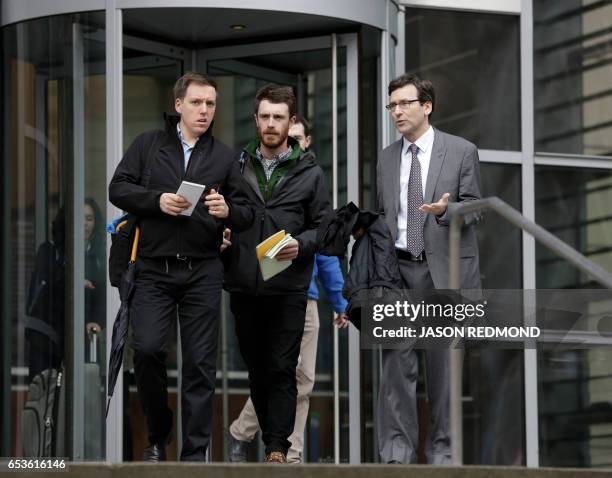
{"x": 438, "y": 153}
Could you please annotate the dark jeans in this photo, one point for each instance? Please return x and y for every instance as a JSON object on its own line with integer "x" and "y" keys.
{"x": 269, "y": 330}
{"x": 191, "y": 289}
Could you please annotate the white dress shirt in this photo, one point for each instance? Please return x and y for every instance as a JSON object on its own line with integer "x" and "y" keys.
{"x": 425, "y": 144}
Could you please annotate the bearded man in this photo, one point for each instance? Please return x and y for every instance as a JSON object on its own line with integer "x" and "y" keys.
{"x": 287, "y": 190}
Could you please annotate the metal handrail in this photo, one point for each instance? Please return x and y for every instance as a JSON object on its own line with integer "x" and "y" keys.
{"x": 541, "y": 235}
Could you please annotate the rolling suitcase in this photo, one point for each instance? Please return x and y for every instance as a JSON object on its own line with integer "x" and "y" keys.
{"x": 94, "y": 403}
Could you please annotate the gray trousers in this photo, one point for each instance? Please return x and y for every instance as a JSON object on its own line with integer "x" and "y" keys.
{"x": 397, "y": 426}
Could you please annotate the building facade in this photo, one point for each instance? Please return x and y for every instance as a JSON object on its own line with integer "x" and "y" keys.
{"x": 528, "y": 81}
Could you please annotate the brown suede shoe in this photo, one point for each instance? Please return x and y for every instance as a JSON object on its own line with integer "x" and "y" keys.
{"x": 276, "y": 457}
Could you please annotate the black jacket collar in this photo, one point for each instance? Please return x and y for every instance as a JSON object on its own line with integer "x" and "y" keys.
{"x": 170, "y": 125}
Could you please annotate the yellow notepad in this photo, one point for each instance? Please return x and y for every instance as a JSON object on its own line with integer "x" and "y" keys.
{"x": 266, "y": 254}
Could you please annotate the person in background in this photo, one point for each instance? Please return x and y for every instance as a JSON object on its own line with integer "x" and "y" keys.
{"x": 46, "y": 294}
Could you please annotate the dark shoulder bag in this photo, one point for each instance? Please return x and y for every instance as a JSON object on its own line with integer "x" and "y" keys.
{"x": 121, "y": 241}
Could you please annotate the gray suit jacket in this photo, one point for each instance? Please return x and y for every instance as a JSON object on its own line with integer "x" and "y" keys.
{"x": 453, "y": 169}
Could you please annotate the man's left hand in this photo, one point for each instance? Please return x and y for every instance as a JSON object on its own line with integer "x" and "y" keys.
{"x": 341, "y": 321}
{"x": 217, "y": 206}
{"x": 289, "y": 252}
{"x": 436, "y": 208}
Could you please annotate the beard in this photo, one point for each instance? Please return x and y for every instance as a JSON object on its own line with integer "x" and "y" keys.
{"x": 273, "y": 138}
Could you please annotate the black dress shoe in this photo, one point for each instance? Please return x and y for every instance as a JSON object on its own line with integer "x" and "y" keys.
{"x": 237, "y": 450}
{"x": 154, "y": 453}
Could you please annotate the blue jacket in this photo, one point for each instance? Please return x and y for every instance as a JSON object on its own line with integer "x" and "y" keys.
{"x": 327, "y": 268}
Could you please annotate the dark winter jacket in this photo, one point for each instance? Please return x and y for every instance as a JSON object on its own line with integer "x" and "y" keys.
{"x": 373, "y": 262}
{"x": 211, "y": 163}
{"x": 297, "y": 204}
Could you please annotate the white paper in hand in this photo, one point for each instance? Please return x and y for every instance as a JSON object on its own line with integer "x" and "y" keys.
{"x": 278, "y": 246}
{"x": 269, "y": 265}
{"x": 192, "y": 192}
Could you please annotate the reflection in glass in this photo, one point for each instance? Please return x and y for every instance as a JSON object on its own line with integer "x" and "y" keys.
{"x": 573, "y": 204}
{"x": 369, "y": 114}
{"x": 499, "y": 241}
{"x": 53, "y": 87}
{"x": 476, "y": 75}
{"x": 493, "y": 378}
{"x": 574, "y": 402}
{"x": 574, "y": 385}
{"x": 572, "y": 71}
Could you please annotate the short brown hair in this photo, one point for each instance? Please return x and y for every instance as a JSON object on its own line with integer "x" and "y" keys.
{"x": 425, "y": 88}
{"x": 181, "y": 85}
{"x": 277, "y": 94}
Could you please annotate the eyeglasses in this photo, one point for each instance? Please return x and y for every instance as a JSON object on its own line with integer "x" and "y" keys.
{"x": 403, "y": 104}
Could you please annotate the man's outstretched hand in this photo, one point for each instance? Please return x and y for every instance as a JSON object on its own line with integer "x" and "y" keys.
{"x": 436, "y": 208}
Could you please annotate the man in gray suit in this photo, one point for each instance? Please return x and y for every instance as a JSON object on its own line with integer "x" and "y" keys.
{"x": 424, "y": 166}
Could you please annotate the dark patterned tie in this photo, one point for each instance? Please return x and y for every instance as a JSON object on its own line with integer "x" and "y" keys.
{"x": 414, "y": 230}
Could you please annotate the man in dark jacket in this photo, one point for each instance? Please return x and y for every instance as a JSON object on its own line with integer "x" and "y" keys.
{"x": 287, "y": 189}
{"x": 179, "y": 269}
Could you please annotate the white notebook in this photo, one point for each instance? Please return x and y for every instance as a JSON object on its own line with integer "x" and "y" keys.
{"x": 192, "y": 192}
{"x": 266, "y": 254}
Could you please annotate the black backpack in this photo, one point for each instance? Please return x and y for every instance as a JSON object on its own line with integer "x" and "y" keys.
{"x": 43, "y": 416}
{"x": 123, "y": 238}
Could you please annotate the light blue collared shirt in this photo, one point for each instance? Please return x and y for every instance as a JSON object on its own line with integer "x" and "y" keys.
{"x": 187, "y": 150}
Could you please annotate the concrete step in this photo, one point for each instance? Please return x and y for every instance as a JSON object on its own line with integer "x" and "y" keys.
{"x": 250, "y": 470}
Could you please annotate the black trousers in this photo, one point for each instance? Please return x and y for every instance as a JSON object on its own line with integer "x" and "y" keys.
{"x": 269, "y": 330}
{"x": 191, "y": 289}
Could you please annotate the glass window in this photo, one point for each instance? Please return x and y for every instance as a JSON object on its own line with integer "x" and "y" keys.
{"x": 369, "y": 115}
{"x": 473, "y": 61}
{"x": 499, "y": 242}
{"x": 55, "y": 303}
{"x": 574, "y": 389}
{"x": 574, "y": 385}
{"x": 575, "y": 205}
{"x": 572, "y": 71}
{"x": 493, "y": 378}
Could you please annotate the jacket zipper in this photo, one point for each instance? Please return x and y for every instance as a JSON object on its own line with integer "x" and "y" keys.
{"x": 261, "y": 238}
{"x": 284, "y": 181}
{"x": 182, "y": 173}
